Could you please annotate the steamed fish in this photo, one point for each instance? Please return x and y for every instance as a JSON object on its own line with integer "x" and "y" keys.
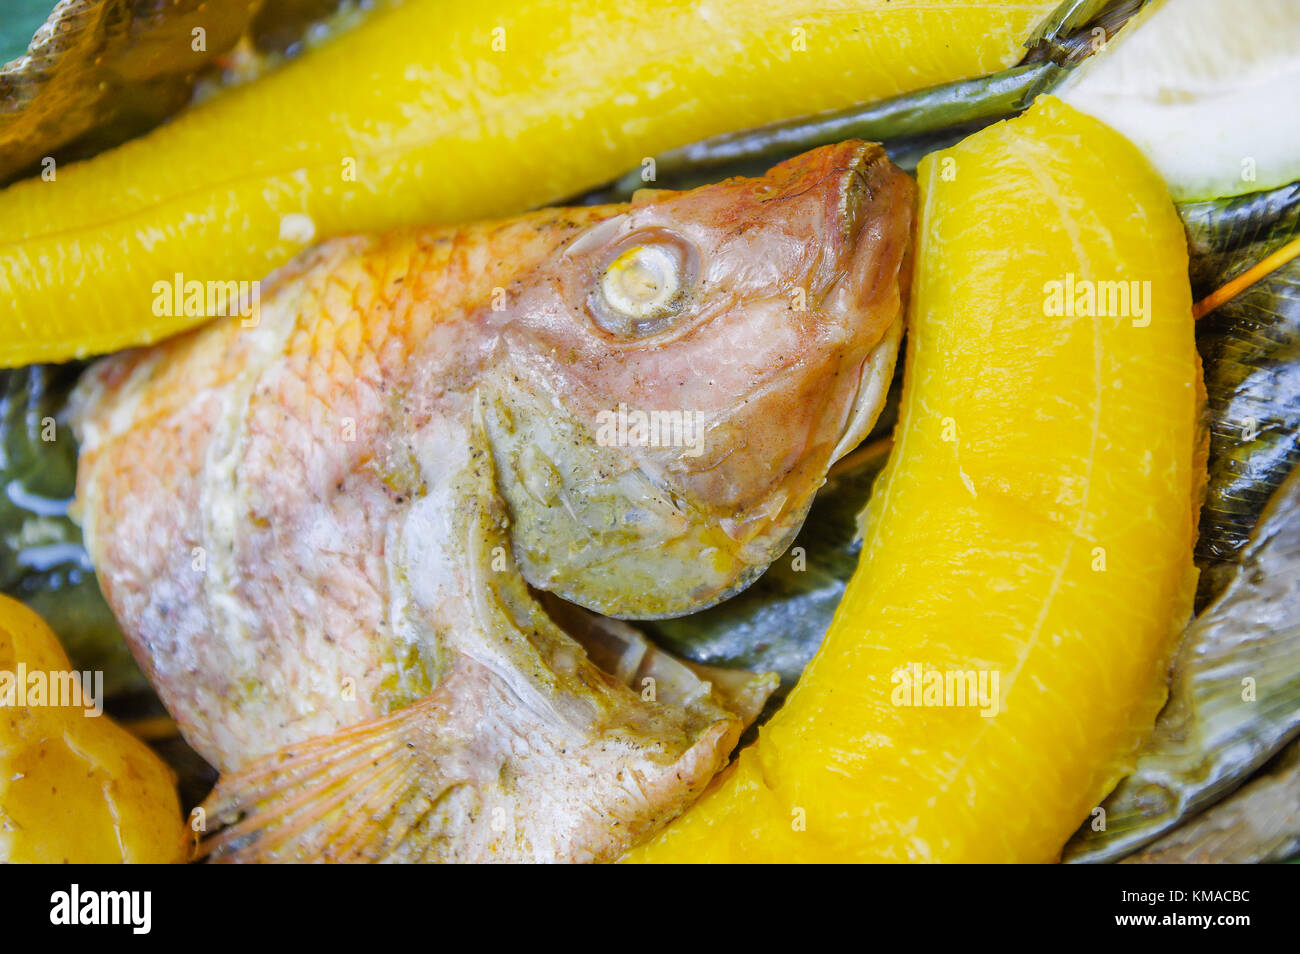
{"x": 355, "y": 543}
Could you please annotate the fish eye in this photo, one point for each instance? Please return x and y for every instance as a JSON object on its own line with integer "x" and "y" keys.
{"x": 645, "y": 287}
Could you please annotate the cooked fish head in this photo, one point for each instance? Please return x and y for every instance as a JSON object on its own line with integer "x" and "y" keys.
{"x": 677, "y": 379}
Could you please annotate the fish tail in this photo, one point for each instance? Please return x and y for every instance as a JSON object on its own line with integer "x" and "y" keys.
{"x": 348, "y": 796}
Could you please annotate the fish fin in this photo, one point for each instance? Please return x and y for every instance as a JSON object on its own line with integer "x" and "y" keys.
{"x": 624, "y": 652}
{"x": 743, "y": 692}
{"x": 346, "y": 797}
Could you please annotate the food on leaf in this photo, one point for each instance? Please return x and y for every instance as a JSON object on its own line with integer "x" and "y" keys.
{"x": 1002, "y": 539}
{"x": 370, "y": 536}
{"x": 320, "y": 533}
{"x": 1235, "y": 697}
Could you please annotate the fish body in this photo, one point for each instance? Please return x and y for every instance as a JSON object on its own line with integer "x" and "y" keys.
{"x": 336, "y": 536}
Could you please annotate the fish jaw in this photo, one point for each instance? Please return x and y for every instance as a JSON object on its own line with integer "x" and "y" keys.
{"x": 873, "y": 387}
{"x": 781, "y": 366}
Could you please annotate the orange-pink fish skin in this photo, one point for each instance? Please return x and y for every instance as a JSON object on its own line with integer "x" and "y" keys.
{"x": 300, "y": 521}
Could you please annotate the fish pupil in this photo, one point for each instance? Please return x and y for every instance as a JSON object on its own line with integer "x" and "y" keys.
{"x": 642, "y": 282}
{"x": 643, "y": 287}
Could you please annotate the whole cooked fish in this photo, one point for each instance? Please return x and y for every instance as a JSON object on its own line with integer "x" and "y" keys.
{"x": 337, "y": 540}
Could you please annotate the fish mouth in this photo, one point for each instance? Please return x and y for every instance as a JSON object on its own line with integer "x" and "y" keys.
{"x": 874, "y": 378}
{"x": 862, "y": 205}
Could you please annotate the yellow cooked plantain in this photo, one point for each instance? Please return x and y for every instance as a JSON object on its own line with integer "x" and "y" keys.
{"x": 1030, "y": 541}
{"x": 440, "y": 112}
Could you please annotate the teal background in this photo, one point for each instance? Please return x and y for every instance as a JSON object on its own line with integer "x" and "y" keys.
{"x": 18, "y": 21}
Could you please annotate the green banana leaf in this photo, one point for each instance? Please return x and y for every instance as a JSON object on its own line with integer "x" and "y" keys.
{"x": 1234, "y": 701}
{"x": 1069, "y": 16}
{"x": 953, "y": 108}
{"x": 1259, "y": 823}
{"x": 42, "y": 560}
{"x": 1250, "y": 347}
{"x": 1070, "y": 32}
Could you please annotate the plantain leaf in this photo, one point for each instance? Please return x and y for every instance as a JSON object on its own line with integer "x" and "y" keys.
{"x": 1227, "y": 236}
{"x": 1069, "y": 15}
{"x": 964, "y": 104}
{"x": 1250, "y": 347}
{"x": 1069, "y": 33}
{"x": 42, "y": 560}
{"x": 1234, "y": 700}
{"x": 1259, "y": 823}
